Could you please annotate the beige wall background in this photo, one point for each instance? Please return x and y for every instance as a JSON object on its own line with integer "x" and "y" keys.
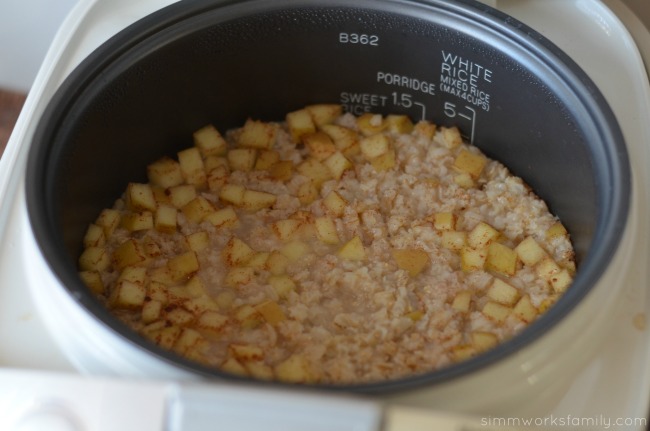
{"x": 641, "y": 8}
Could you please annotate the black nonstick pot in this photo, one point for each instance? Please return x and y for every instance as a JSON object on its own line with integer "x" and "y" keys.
{"x": 511, "y": 92}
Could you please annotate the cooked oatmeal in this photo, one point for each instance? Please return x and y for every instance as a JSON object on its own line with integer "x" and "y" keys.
{"x": 328, "y": 248}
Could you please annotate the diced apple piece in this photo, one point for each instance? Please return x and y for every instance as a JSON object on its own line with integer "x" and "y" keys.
{"x": 165, "y": 172}
{"x": 463, "y": 352}
{"x": 211, "y": 321}
{"x": 472, "y": 259}
{"x": 139, "y": 197}
{"x": 242, "y": 159}
{"x": 192, "y": 166}
{"x": 319, "y": 144}
{"x": 425, "y": 128}
{"x": 258, "y": 261}
{"x": 277, "y": 263}
{"x": 547, "y": 268}
{"x": 464, "y": 180}
{"x": 307, "y": 193}
{"x": 257, "y": 134}
{"x": 300, "y": 123}
{"x": 179, "y": 316}
{"x": 93, "y": 281}
{"x": 412, "y": 260}
{"x": 282, "y": 170}
{"x": 282, "y": 285}
{"x": 209, "y": 141}
{"x": 259, "y": 370}
{"x": 453, "y": 240}
{"x": 399, "y": 123}
{"x": 248, "y": 317}
{"x": 177, "y": 293}
{"x": 326, "y": 230}
{"x": 200, "y": 304}
{"x": 470, "y": 162}
{"x": 162, "y": 274}
{"x": 183, "y": 265}
{"x": 496, "y": 311}
{"x": 94, "y": 236}
{"x": 462, "y": 301}
{"x": 502, "y": 292}
{"x": 128, "y": 295}
{"x": 346, "y": 140}
{"x": 482, "y": 235}
{"x": 353, "y": 250}
{"x": 195, "y": 288}
{"x": 232, "y": 193}
{"x": 198, "y": 351}
{"x": 561, "y": 280}
{"x": 134, "y": 274}
{"x": 324, "y": 113}
{"x": 266, "y": 159}
{"x": 224, "y": 300}
{"x": 451, "y": 137}
{"x": 253, "y": 200}
{"x": 197, "y": 209}
{"x": 315, "y": 171}
{"x": 335, "y": 203}
{"x": 529, "y": 251}
{"x": 337, "y": 163}
{"x": 167, "y": 337}
{"x": 239, "y": 276}
{"x": 384, "y": 162}
{"x": 233, "y": 366}
{"x": 218, "y": 177}
{"x": 415, "y": 315}
{"x": 374, "y": 145}
{"x": 198, "y": 241}
{"x": 294, "y": 369}
{"x": 370, "y": 124}
{"x": 166, "y": 219}
{"x": 108, "y": 220}
{"x": 525, "y": 310}
{"x": 190, "y": 344}
{"x": 151, "y": 311}
{"x": 224, "y": 218}
{"x": 483, "y": 341}
{"x": 444, "y": 221}
{"x": 158, "y": 291}
{"x": 237, "y": 252}
{"x": 285, "y": 229}
{"x": 129, "y": 253}
{"x": 547, "y": 303}
{"x": 179, "y": 196}
{"x": 557, "y": 230}
{"x": 294, "y": 250}
{"x": 271, "y": 312}
{"x": 213, "y": 162}
{"x": 501, "y": 258}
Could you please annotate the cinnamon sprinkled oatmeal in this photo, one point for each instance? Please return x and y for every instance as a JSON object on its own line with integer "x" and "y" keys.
{"x": 328, "y": 249}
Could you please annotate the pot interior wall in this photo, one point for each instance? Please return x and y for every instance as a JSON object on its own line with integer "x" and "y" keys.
{"x": 147, "y": 104}
{"x": 139, "y": 98}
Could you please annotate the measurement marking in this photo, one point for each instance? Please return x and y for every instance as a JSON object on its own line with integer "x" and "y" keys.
{"x": 424, "y": 110}
{"x": 473, "y": 120}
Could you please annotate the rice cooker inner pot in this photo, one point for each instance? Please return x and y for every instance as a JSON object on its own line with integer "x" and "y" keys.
{"x": 513, "y": 94}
